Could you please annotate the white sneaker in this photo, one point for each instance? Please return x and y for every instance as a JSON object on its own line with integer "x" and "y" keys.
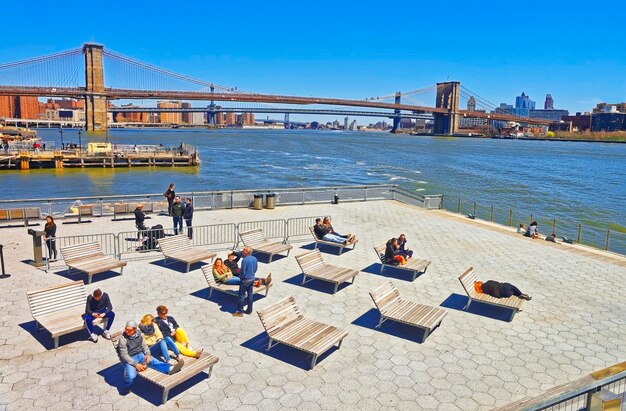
{"x": 93, "y": 337}
{"x": 106, "y": 335}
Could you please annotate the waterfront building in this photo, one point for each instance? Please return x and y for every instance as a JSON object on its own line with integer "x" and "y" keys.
{"x": 345, "y": 123}
{"x": 549, "y": 103}
{"x": 580, "y": 122}
{"x": 19, "y": 107}
{"x": 170, "y": 118}
{"x": 603, "y": 107}
{"x": 505, "y": 109}
{"x": 608, "y": 122}
{"x": 197, "y": 118}
{"x": 548, "y": 114}
{"x": 471, "y": 104}
{"x": 523, "y": 104}
{"x": 472, "y": 122}
{"x": 230, "y": 119}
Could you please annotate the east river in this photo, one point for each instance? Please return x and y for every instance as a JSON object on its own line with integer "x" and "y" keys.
{"x": 572, "y": 183}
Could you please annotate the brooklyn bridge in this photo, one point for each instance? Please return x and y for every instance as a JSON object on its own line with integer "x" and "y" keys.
{"x": 60, "y": 75}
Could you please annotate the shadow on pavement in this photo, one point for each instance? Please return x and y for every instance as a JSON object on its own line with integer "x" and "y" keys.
{"x": 370, "y": 320}
{"x": 458, "y": 302}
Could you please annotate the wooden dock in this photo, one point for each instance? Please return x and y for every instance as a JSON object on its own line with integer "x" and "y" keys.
{"x": 26, "y": 160}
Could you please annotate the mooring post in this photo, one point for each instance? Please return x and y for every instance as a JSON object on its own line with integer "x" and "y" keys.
{"x": 580, "y": 228}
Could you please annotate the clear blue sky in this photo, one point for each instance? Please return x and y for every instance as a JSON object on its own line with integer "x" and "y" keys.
{"x": 573, "y": 50}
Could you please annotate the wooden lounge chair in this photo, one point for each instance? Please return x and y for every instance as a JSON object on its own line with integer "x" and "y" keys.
{"x": 179, "y": 248}
{"x": 227, "y": 288}
{"x": 392, "y": 307}
{"x": 89, "y": 258}
{"x": 59, "y": 309}
{"x": 20, "y": 214}
{"x": 468, "y": 278}
{"x": 83, "y": 211}
{"x": 284, "y": 324}
{"x": 256, "y": 240}
{"x": 339, "y": 245}
{"x": 192, "y": 367}
{"x": 313, "y": 265}
{"x": 413, "y": 265}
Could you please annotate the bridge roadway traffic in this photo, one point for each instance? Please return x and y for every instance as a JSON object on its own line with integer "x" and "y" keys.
{"x": 114, "y": 94}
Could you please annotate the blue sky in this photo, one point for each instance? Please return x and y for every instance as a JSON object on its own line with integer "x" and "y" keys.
{"x": 572, "y": 50}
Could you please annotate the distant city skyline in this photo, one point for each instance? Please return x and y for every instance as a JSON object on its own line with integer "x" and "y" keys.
{"x": 289, "y": 49}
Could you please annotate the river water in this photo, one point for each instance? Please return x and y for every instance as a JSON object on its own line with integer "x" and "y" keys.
{"x": 574, "y": 183}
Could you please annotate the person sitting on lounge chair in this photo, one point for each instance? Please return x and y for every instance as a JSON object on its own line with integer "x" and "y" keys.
{"x": 333, "y": 236}
{"x": 500, "y": 290}
{"x": 403, "y": 250}
{"x": 392, "y": 255}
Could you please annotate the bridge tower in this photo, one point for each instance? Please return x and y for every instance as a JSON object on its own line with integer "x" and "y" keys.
{"x": 95, "y": 99}
{"x": 287, "y": 122}
{"x": 448, "y": 98}
{"x": 396, "y": 118}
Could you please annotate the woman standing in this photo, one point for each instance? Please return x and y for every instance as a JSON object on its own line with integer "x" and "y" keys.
{"x": 50, "y": 230}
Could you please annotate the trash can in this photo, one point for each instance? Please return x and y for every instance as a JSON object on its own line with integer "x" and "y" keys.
{"x": 257, "y": 204}
{"x": 336, "y": 199}
{"x": 4, "y": 274}
{"x": 270, "y": 201}
{"x": 37, "y": 247}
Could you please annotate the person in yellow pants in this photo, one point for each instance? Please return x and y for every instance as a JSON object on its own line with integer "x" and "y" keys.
{"x": 169, "y": 327}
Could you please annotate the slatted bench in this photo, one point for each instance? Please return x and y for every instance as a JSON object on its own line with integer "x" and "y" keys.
{"x": 284, "y": 324}
{"x": 413, "y": 265}
{"x": 392, "y": 307}
{"x": 20, "y": 214}
{"x": 179, "y": 248}
{"x": 59, "y": 309}
{"x": 83, "y": 211}
{"x": 192, "y": 367}
{"x": 338, "y": 245}
{"x": 89, "y": 258}
{"x": 231, "y": 289}
{"x": 256, "y": 240}
{"x": 469, "y": 277}
{"x": 129, "y": 208}
{"x": 313, "y": 265}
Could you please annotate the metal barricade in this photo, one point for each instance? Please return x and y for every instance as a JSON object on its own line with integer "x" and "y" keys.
{"x": 218, "y": 236}
{"x": 271, "y": 228}
{"x": 107, "y": 241}
{"x": 299, "y": 227}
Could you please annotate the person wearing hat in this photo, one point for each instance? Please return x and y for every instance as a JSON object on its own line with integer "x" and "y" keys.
{"x": 135, "y": 356}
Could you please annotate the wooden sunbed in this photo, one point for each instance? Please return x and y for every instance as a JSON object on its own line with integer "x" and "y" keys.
{"x": 83, "y": 211}
{"x": 468, "y": 278}
{"x": 392, "y": 307}
{"x": 20, "y": 214}
{"x": 227, "y": 288}
{"x": 313, "y": 265}
{"x": 413, "y": 265}
{"x": 284, "y": 324}
{"x": 179, "y": 248}
{"x": 89, "y": 258}
{"x": 59, "y": 309}
{"x": 192, "y": 367}
{"x": 338, "y": 245}
{"x": 256, "y": 240}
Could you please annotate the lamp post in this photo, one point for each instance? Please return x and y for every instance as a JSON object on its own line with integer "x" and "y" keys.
{"x": 80, "y": 144}
{"x": 61, "y": 132}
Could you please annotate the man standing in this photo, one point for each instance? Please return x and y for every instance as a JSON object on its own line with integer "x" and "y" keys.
{"x": 188, "y": 216}
{"x": 249, "y": 266}
{"x": 177, "y": 215}
{"x": 98, "y": 306}
{"x": 135, "y": 356}
{"x": 170, "y": 194}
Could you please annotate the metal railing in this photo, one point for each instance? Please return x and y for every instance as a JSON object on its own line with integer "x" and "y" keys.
{"x": 597, "y": 237}
{"x": 217, "y": 236}
{"x": 576, "y": 395}
{"x": 104, "y": 205}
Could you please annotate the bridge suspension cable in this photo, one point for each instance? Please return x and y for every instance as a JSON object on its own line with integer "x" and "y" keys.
{"x": 63, "y": 69}
{"x": 405, "y": 93}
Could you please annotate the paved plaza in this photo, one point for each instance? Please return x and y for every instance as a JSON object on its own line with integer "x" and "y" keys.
{"x": 476, "y": 360}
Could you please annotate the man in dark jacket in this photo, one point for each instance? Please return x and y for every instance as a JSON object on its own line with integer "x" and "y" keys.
{"x": 170, "y": 194}
{"x": 98, "y": 306}
{"x": 188, "y": 216}
{"x": 232, "y": 263}
{"x": 319, "y": 230}
{"x": 135, "y": 356}
{"x": 177, "y": 215}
